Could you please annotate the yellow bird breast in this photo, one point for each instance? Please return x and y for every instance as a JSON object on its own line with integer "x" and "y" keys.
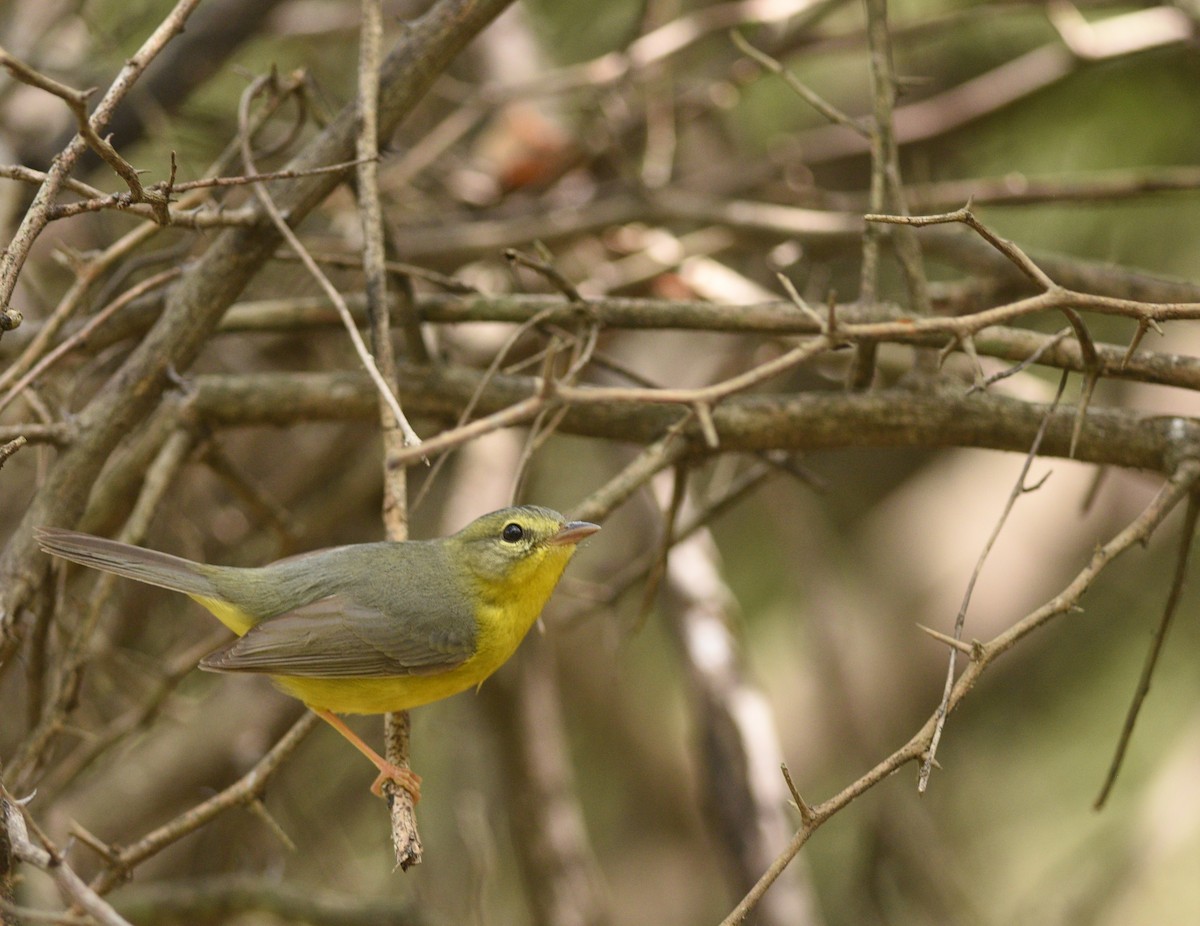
{"x": 502, "y": 621}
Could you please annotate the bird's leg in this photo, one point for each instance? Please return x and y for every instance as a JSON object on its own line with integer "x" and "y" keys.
{"x": 409, "y": 780}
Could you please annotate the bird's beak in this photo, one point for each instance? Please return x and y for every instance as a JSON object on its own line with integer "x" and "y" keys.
{"x": 573, "y": 532}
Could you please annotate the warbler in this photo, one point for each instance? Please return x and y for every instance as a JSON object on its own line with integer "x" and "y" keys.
{"x": 372, "y": 627}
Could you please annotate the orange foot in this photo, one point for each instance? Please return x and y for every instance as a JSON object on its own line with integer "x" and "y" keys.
{"x": 407, "y": 779}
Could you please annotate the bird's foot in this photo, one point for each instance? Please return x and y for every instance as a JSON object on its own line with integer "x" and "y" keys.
{"x": 404, "y": 778}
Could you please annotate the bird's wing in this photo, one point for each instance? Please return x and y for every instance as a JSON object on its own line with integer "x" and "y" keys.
{"x": 338, "y": 638}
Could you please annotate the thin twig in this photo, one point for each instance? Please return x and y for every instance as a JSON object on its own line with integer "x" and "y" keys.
{"x": 967, "y": 217}
{"x": 1182, "y": 481}
{"x": 1029, "y": 361}
{"x": 887, "y": 185}
{"x": 80, "y": 337}
{"x": 127, "y": 201}
{"x": 11, "y": 447}
{"x": 542, "y": 265}
{"x": 1019, "y": 489}
{"x": 76, "y": 101}
{"x": 74, "y": 659}
{"x": 323, "y": 281}
{"x": 406, "y": 840}
{"x": 638, "y": 570}
{"x": 658, "y": 568}
{"x": 1187, "y": 533}
{"x": 15, "y": 818}
{"x": 811, "y": 97}
{"x": 246, "y": 789}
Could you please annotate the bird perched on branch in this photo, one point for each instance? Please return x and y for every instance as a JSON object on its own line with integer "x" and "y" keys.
{"x": 373, "y": 627}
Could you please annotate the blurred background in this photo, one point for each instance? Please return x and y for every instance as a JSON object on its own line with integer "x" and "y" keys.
{"x": 647, "y": 153}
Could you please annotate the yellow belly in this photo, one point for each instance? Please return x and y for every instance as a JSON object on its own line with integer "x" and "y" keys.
{"x": 497, "y": 640}
{"x": 502, "y": 624}
{"x": 379, "y": 695}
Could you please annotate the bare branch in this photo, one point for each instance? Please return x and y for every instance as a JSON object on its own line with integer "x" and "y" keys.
{"x": 1187, "y": 533}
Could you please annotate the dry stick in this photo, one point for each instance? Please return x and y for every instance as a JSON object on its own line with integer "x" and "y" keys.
{"x": 58, "y": 434}
{"x": 24, "y": 174}
{"x": 1186, "y": 536}
{"x": 862, "y": 371}
{"x": 459, "y": 434}
{"x": 887, "y": 191}
{"x": 798, "y": 301}
{"x": 125, "y": 202}
{"x": 80, "y": 337}
{"x": 802, "y": 90}
{"x": 541, "y": 264}
{"x": 16, "y": 821}
{"x": 76, "y": 653}
{"x": 638, "y": 570}
{"x": 93, "y": 270}
{"x": 11, "y": 447}
{"x": 1136, "y": 340}
{"x": 539, "y": 432}
{"x": 1035, "y": 273}
{"x": 883, "y": 322}
{"x": 198, "y": 218}
{"x": 658, "y": 566}
{"x": 782, "y": 421}
{"x": 245, "y": 790}
{"x": 884, "y": 80}
{"x": 268, "y": 204}
{"x": 702, "y": 395}
{"x": 878, "y": 322}
{"x": 86, "y": 276}
{"x": 1182, "y": 481}
{"x": 36, "y": 216}
{"x": 406, "y": 840}
{"x": 1049, "y": 345}
{"x": 1019, "y": 489}
{"x": 116, "y": 731}
{"x": 965, "y": 216}
{"x": 666, "y": 451}
{"x": 76, "y": 101}
{"x": 519, "y": 413}
{"x": 1091, "y": 363}
{"x": 181, "y": 214}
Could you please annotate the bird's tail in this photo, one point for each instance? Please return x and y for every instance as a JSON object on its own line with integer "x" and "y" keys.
{"x": 149, "y": 566}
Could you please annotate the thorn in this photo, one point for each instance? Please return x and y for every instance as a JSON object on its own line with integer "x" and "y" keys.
{"x": 949, "y": 641}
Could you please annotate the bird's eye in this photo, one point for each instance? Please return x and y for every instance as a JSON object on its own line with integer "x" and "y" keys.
{"x": 512, "y": 532}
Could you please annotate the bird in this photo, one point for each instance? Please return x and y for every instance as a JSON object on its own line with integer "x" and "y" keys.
{"x": 367, "y": 628}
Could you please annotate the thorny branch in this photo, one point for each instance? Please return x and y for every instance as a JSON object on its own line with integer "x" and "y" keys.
{"x": 1019, "y": 489}
{"x": 1187, "y": 533}
{"x": 1137, "y": 531}
{"x": 755, "y": 407}
{"x": 246, "y": 790}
